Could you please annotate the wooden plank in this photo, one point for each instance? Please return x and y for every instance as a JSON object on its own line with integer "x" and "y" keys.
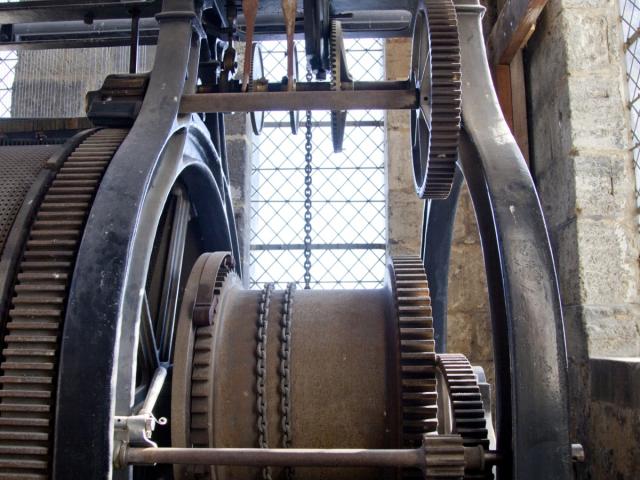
{"x": 519, "y": 105}
{"x": 513, "y": 28}
{"x": 503, "y": 89}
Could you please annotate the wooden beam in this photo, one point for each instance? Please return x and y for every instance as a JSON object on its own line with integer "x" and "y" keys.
{"x": 513, "y": 28}
{"x": 503, "y": 89}
{"x": 519, "y": 105}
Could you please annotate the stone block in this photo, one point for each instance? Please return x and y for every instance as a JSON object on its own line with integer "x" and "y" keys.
{"x": 404, "y": 224}
{"x": 601, "y": 93}
{"x": 467, "y": 281}
{"x": 608, "y": 268}
{"x": 460, "y": 332}
{"x": 550, "y": 125}
{"x": 237, "y": 124}
{"x": 397, "y": 55}
{"x": 564, "y": 243}
{"x": 238, "y": 157}
{"x": 604, "y": 186}
{"x": 587, "y": 45}
{"x": 470, "y": 334}
{"x": 545, "y": 55}
{"x": 556, "y": 189}
{"x": 587, "y": 4}
{"x": 465, "y": 229}
{"x": 613, "y": 330}
{"x": 399, "y": 163}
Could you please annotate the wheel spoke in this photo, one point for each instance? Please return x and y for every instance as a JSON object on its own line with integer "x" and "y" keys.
{"x": 425, "y": 89}
{"x": 148, "y": 343}
{"x": 172, "y": 272}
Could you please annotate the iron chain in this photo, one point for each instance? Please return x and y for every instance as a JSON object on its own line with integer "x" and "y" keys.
{"x": 261, "y": 372}
{"x": 285, "y": 372}
{"x": 307, "y": 196}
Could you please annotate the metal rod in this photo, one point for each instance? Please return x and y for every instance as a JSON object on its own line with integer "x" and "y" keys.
{"x": 284, "y": 457}
{"x": 135, "y": 41}
{"x": 300, "y": 100}
{"x": 321, "y": 246}
{"x": 155, "y": 387}
{"x": 147, "y": 336}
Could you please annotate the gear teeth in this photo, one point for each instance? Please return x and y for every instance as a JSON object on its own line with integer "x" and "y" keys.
{"x": 418, "y": 392}
{"x": 35, "y": 320}
{"x": 444, "y": 457}
{"x": 434, "y": 177}
{"x": 338, "y": 73}
{"x": 257, "y": 118}
{"x": 201, "y": 374}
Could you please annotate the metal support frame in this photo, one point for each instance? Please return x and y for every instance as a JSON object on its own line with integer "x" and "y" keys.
{"x": 528, "y": 330}
{"x": 120, "y": 225}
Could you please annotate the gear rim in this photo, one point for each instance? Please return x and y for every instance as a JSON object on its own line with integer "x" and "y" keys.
{"x": 435, "y": 124}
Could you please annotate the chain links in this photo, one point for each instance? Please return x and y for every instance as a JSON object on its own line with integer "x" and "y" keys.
{"x": 307, "y": 196}
{"x": 261, "y": 373}
{"x": 285, "y": 372}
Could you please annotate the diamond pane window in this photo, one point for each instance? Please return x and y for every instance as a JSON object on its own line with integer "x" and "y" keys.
{"x": 348, "y": 200}
{"x": 630, "y": 17}
{"x": 8, "y": 60}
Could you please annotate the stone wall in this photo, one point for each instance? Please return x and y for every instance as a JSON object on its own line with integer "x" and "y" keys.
{"x": 580, "y": 148}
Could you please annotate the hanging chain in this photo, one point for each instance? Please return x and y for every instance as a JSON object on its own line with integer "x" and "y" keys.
{"x": 261, "y": 373}
{"x": 307, "y": 197}
{"x": 285, "y": 373}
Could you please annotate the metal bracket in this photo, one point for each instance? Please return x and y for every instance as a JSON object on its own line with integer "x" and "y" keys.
{"x": 133, "y": 431}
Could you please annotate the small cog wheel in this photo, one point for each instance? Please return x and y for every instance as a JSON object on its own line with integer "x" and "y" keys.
{"x": 256, "y": 76}
{"x": 461, "y": 407}
{"x": 435, "y": 73}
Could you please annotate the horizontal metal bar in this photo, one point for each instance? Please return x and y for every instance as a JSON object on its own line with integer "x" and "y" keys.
{"x": 285, "y": 101}
{"x": 284, "y": 457}
{"x": 321, "y": 246}
{"x": 349, "y": 123}
{"x": 348, "y": 169}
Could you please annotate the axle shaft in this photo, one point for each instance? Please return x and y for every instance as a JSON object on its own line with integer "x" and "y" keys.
{"x": 274, "y": 457}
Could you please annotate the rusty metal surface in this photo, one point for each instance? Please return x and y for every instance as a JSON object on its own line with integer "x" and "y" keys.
{"x": 299, "y": 100}
{"x": 258, "y": 457}
{"x": 444, "y": 457}
{"x": 360, "y": 370}
{"x": 418, "y": 390}
{"x": 34, "y": 321}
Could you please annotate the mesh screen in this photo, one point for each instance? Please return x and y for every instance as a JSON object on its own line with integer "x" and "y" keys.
{"x": 348, "y": 199}
{"x": 630, "y": 16}
{"x": 53, "y": 83}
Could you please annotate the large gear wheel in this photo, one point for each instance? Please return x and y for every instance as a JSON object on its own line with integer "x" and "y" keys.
{"x": 435, "y": 73}
{"x": 340, "y": 80}
{"x": 35, "y": 320}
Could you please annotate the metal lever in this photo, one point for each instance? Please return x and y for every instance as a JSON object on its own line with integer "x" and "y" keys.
{"x": 250, "y": 10}
{"x": 289, "y": 12}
